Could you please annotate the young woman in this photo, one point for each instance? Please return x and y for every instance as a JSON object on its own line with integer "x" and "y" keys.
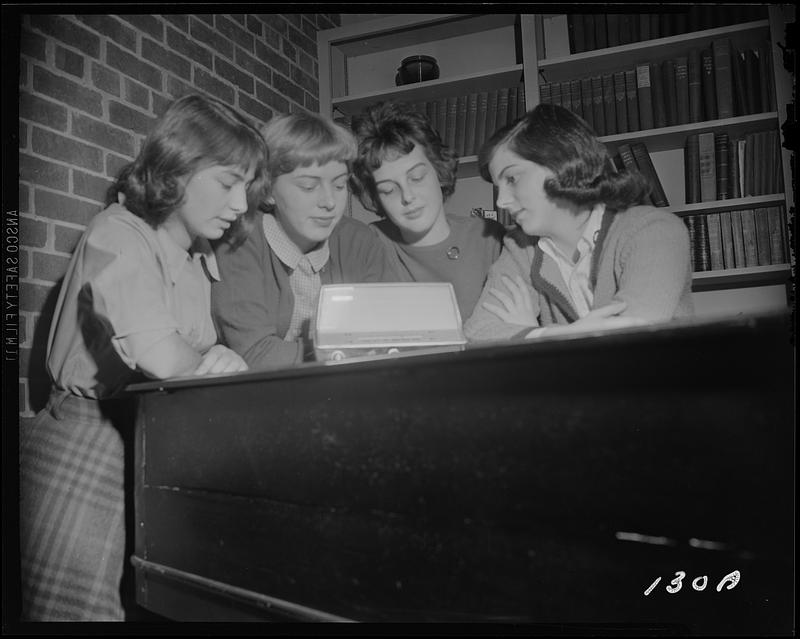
{"x": 135, "y": 303}
{"x": 267, "y": 295}
{"x": 587, "y": 253}
{"x": 405, "y": 174}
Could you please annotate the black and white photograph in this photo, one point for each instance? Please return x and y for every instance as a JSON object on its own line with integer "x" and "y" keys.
{"x": 416, "y": 321}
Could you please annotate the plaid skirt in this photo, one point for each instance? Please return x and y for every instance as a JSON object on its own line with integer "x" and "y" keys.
{"x": 72, "y": 513}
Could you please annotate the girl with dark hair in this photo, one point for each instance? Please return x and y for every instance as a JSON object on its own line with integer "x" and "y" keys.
{"x": 588, "y": 252}
{"x": 267, "y": 296}
{"x": 404, "y": 173}
{"x": 135, "y": 303}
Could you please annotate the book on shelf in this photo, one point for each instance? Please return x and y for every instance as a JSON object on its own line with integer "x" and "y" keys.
{"x": 707, "y": 82}
{"x": 555, "y": 32}
{"x": 597, "y": 105}
{"x": 764, "y": 51}
{"x": 441, "y": 114}
{"x": 628, "y": 160}
{"x": 740, "y": 99}
{"x": 586, "y": 99}
{"x": 609, "y": 108}
{"x": 461, "y": 124}
{"x": 723, "y": 80}
{"x": 727, "y": 239}
{"x": 655, "y": 26}
{"x": 715, "y": 241}
{"x": 644, "y": 27}
{"x": 708, "y": 168}
{"x": 749, "y": 237}
{"x": 625, "y": 28}
{"x": 659, "y": 103}
{"x": 741, "y": 150}
{"x": 502, "y": 106}
{"x": 733, "y": 169}
{"x": 645, "y": 96}
{"x": 620, "y": 102}
{"x": 480, "y": 124}
{"x": 777, "y": 241}
{"x": 521, "y": 104}
{"x": 491, "y": 110}
{"x": 751, "y": 82}
{"x": 691, "y": 160}
{"x": 670, "y": 92}
{"x": 555, "y": 94}
{"x": 511, "y": 113}
{"x": 698, "y": 241}
{"x": 577, "y": 42}
{"x": 566, "y": 95}
{"x": 721, "y": 159}
{"x": 738, "y": 239}
{"x": 544, "y": 93}
{"x": 695, "y": 86}
{"x": 472, "y": 124}
{"x": 450, "y": 125}
{"x": 588, "y": 32}
{"x": 600, "y": 31}
{"x": 430, "y": 112}
{"x": 632, "y": 100}
{"x": 646, "y": 168}
{"x": 612, "y": 29}
{"x": 577, "y": 100}
{"x": 763, "y": 240}
{"x": 682, "y": 89}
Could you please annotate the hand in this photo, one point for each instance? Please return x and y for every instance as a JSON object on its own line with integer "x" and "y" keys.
{"x": 517, "y": 307}
{"x": 220, "y": 359}
{"x": 606, "y": 317}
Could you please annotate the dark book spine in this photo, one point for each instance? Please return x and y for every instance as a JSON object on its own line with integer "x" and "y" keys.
{"x": 620, "y": 102}
{"x": 511, "y": 113}
{"x": 544, "y": 93}
{"x": 708, "y": 168}
{"x": 491, "y": 111}
{"x": 733, "y": 169}
{"x": 586, "y": 98}
{"x": 577, "y": 101}
{"x": 555, "y": 93}
{"x": 738, "y": 63}
{"x": 566, "y": 95}
{"x": 776, "y": 235}
{"x": 480, "y": 125}
{"x": 682, "y": 88}
{"x": 612, "y": 29}
{"x": 461, "y": 125}
{"x": 597, "y": 105}
{"x": 670, "y": 92}
{"x": 632, "y": 100}
{"x": 609, "y": 104}
{"x": 588, "y": 31}
{"x": 646, "y": 168}
{"x": 749, "y": 236}
{"x": 450, "y": 127}
{"x": 703, "y": 250}
{"x": 625, "y": 28}
{"x": 751, "y": 82}
{"x": 600, "y": 31}
{"x": 721, "y": 158}
{"x": 502, "y": 106}
{"x": 645, "y": 94}
{"x": 737, "y": 232}
{"x": 707, "y": 80}
{"x": 715, "y": 241}
{"x": 768, "y": 99}
{"x": 727, "y": 240}
{"x": 723, "y": 79}
{"x": 692, "y": 169}
{"x": 575, "y": 33}
{"x": 695, "y": 86}
{"x": 659, "y": 102}
{"x": 472, "y": 121}
{"x": 762, "y": 237}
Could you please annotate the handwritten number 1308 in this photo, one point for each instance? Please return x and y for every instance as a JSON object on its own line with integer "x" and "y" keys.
{"x": 699, "y": 583}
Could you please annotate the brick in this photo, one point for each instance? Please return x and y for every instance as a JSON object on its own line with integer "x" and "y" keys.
{"x": 268, "y": 96}
{"x": 49, "y": 268}
{"x": 33, "y": 45}
{"x": 151, "y": 25}
{"x": 33, "y": 297}
{"x": 23, "y": 329}
{"x": 287, "y": 88}
{"x": 115, "y": 164}
{"x": 179, "y": 20}
{"x": 235, "y": 33}
{"x": 59, "y": 147}
{"x": 64, "y": 208}
{"x": 272, "y": 58}
{"x": 293, "y": 18}
{"x": 306, "y": 62}
{"x": 327, "y": 20}
{"x": 239, "y": 17}
{"x": 23, "y": 264}
{"x": 65, "y": 90}
{"x": 111, "y": 27}
{"x": 253, "y": 66}
{"x": 177, "y": 88}
{"x": 102, "y": 134}
{"x": 208, "y": 18}
{"x": 23, "y": 72}
{"x": 303, "y": 41}
{"x": 254, "y": 108}
{"x": 136, "y": 93}
{"x": 274, "y": 21}
{"x": 90, "y": 186}
{"x": 208, "y": 83}
{"x": 166, "y": 59}
{"x": 213, "y": 39}
{"x": 23, "y": 135}
{"x": 271, "y": 37}
{"x": 189, "y": 48}
{"x": 289, "y": 50}
{"x": 302, "y": 79}
{"x": 133, "y": 66}
{"x": 308, "y": 27}
{"x": 254, "y": 25}
{"x": 232, "y": 74}
{"x": 105, "y": 79}
{"x": 69, "y": 61}
{"x": 130, "y": 119}
{"x": 311, "y": 103}
{"x": 160, "y": 104}
{"x": 66, "y": 238}
{"x": 32, "y": 233}
{"x": 24, "y": 198}
{"x": 68, "y": 32}
{"x": 43, "y": 173}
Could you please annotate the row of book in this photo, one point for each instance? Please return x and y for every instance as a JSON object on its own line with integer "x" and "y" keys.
{"x": 591, "y": 31}
{"x": 737, "y": 239}
{"x": 465, "y": 122}
{"x": 709, "y": 84}
{"x": 635, "y": 157}
{"x": 718, "y": 168}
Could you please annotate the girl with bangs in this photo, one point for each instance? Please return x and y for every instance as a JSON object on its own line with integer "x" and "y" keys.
{"x": 134, "y": 304}
{"x": 588, "y": 253}
{"x": 266, "y": 298}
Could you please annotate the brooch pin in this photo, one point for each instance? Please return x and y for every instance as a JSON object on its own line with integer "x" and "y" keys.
{"x": 453, "y": 253}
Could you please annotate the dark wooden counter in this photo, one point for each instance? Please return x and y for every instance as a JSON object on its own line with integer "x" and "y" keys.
{"x": 546, "y": 482}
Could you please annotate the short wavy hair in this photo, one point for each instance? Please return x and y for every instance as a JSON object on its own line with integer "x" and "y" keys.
{"x": 386, "y": 130}
{"x": 195, "y": 132}
{"x": 557, "y": 139}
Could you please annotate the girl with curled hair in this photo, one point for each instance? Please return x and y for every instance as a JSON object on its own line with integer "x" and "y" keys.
{"x": 135, "y": 303}
{"x": 267, "y": 296}
{"x": 405, "y": 174}
{"x": 588, "y": 253}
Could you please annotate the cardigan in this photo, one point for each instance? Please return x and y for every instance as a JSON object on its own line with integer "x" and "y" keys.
{"x": 253, "y": 301}
{"x": 641, "y": 257}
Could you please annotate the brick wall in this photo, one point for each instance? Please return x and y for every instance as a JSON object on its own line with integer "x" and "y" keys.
{"x": 90, "y": 88}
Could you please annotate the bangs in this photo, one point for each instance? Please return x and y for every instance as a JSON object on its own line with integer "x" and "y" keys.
{"x": 236, "y": 147}
{"x": 319, "y": 146}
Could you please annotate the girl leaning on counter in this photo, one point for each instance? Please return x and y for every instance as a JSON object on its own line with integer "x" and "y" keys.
{"x": 135, "y": 303}
{"x": 267, "y": 295}
{"x": 587, "y": 254}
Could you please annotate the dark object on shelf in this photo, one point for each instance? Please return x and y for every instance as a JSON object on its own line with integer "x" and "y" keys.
{"x": 416, "y": 68}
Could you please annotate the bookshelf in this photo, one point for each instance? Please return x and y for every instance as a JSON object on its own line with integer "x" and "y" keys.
{"x": 358, "y": 62}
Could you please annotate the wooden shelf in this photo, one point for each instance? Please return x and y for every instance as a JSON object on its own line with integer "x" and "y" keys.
{"x": 734, "y": 204}
{"x": 674, "y": 137}
{"x": 434, "y": 89}
{"x": 739, "y": 277}
{"x": 599, "y": 61}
